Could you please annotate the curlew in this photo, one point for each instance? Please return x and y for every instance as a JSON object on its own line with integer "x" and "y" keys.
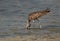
{"x": 35, "y": 16}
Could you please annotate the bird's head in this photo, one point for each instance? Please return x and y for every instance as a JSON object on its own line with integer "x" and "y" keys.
{"x": 47, "y": 10}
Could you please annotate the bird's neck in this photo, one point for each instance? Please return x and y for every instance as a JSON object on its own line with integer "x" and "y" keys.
{"x": 44, "y": 12}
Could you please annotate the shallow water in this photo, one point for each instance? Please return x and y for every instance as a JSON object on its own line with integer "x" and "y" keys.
{"x": 13, "y": 16}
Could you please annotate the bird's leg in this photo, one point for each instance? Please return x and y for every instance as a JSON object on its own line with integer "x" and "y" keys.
{"x": 28, "y": 24}
{"x": 40, "y": 26}
{"x": 38, "y": 20}
{"x": 28, "y": 27}
{"x": 39, "y": 23}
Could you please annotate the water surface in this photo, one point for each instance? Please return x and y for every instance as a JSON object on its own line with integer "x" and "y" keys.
{"x": 13, "y": 16}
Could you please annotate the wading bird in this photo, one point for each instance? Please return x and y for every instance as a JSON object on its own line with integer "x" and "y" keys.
{"x": 35, "y": 16}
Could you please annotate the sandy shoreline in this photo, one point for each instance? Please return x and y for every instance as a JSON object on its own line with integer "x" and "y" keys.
{"x": 32, "y": 38}
{"x": 52, "y": 34}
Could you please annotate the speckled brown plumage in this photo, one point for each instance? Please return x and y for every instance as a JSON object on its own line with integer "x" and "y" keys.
{"x": 35, "y": 16}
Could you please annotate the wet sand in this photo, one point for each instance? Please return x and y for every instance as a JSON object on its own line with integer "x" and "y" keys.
{"x": 31, "y": 38}
{"x": 54, "y": 35}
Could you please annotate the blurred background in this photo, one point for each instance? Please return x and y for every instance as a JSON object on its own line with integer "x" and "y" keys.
{"x": 13, "y": 15}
